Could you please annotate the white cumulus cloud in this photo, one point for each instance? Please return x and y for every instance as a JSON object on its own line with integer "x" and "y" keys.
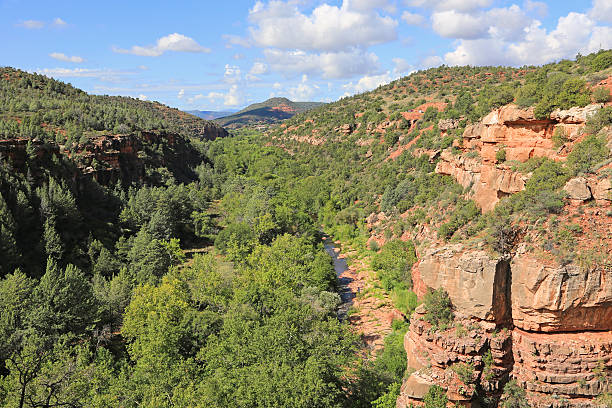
{"x": 282, "y": 25}
{"x": 174, "y": 42}
{"x": 59, "y": 22}
{"x": 63, "y": 57}
{"x": 367, "y": 83}
{"x": 515, "y": 39}
{"x": 602, "y": 10}
{"x": 458, "y": 5}
{"x": 328, "y": 65}
{"x": 259, "y": 68}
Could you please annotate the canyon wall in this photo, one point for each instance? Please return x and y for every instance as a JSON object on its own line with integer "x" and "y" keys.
{"x": 544, "y": 322}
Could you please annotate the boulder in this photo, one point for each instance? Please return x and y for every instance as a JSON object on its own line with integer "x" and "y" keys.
{"x": 578, "y": 189}
{"x": 575, "y": 114}
{"x": 602, "y": 189}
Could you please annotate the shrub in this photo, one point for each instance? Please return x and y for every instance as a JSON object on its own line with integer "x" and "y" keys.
{"x": 587, "y": 154}
{"x": 405, "y": 300}
{"x": 514, "y": 396}
{"x": 438, "y": 308}
{"x": 500, "y": 156}
{"x": 601, "y": 119}
{"x": 602, "y": 61}
{"x": 464, "y": 213}
{"x": 601, "y": 94}
{"x": 435, "y": 397}
{"x": 393, "y": 264}
{"x": 464, "y": 371}
{"x": 559, "y": 137}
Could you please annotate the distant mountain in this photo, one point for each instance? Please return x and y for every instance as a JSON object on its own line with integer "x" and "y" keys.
{"x": 271, "y": 111}
{"x": 210, "y": 115}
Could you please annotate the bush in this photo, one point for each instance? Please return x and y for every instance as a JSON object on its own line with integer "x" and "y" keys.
{"x": 514, "y": 396}
{"x": 393, "y": 264}
{"x": 602, "y": 61}
{"x": 601, "y": 119}
{"x": 405, "y": 300}
{"x": 438, "y": 308}
{"x": 464, "y": 213}
{"x": 559, "y": 137}
{"x": 601, "y": 94}
{"x": 464, "y": 371}
{"x": 435, "y": 397}
{"x": 587, "y": 154}
{"x": 500, "y": 156}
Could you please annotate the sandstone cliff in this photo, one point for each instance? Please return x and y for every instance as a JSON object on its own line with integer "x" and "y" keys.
{"x": 542, "y": 320}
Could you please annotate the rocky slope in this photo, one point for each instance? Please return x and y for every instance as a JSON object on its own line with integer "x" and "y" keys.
{"x": 545, "y": 322}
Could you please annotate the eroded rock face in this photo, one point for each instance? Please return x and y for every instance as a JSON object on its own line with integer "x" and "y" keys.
{"x": 521, "y": 136}
{"x": 560, "y": 298}
{"x": 576, "y": 114}
{"x": 549, "y": 326}
{"x": 468, "y": 277}
{"x": 572, "y": 365}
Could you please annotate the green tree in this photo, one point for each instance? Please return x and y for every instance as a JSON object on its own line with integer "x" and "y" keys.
{"x": 63, "y": 302}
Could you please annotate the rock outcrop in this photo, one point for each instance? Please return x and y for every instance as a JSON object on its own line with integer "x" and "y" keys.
{"x": 521, "y": 136}
{"x": 547, "y": 325}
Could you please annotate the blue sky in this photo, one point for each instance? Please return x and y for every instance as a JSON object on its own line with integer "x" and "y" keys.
{"x": 213, "y": 55}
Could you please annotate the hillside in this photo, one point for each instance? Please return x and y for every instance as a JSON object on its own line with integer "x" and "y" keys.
{"x": 110, "y": 138}
{"x": 270, "y": 111}
{"x": 501, "y": 178}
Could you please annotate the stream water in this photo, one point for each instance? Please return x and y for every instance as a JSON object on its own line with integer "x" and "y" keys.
{"x": 340, "y": 266}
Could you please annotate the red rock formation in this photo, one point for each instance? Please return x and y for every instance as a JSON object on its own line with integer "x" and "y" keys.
{"x": 521, "y": 136}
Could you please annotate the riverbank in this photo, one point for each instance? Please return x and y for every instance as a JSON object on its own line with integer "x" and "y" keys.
{"x": 367, "y": 307}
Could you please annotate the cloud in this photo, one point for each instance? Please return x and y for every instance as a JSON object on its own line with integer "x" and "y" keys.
{"x": 181, "y": 93}
{"x": 173, "y": 42}
{"x": 58, "y": 22}
{"x": 233, "y": 97}
{"x": 143, "y": 97}
{"x": 509, "y": 22}
{"x": 453, "y": 24}
{"x": 538, "y": 7}
{"x": 232, "y": 74}
{"x": 282, "y": 25}
{"x": 63, "y": 57}
{"x": 367, "y": 83}
{"x": 328, "y": 64}
{"x": 366, "y": 5}
{"x": 259, "y": 68}
{"x": 457, "y": 5}
{"x": 402, "y": 66}
{"x": 412, "y": 18}
{"x": 431, "y": 61}
{"x": 102, "y": 74}
{"x": 601, "y": 11}
{"x": 31, "y": 24}
{"x": 519, "y": 40}
{"x": 231, "y": 40}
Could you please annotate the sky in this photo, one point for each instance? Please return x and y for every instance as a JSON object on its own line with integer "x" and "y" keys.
{"x": 224, "y": 55}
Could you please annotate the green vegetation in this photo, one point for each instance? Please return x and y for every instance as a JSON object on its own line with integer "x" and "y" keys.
{"x": 393, "y": 264}
{"x": 103, "y": 304}
{"x": 514, "y": 396}
{"x": 438, "y": 309}
{"x": 435, "y": 397}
